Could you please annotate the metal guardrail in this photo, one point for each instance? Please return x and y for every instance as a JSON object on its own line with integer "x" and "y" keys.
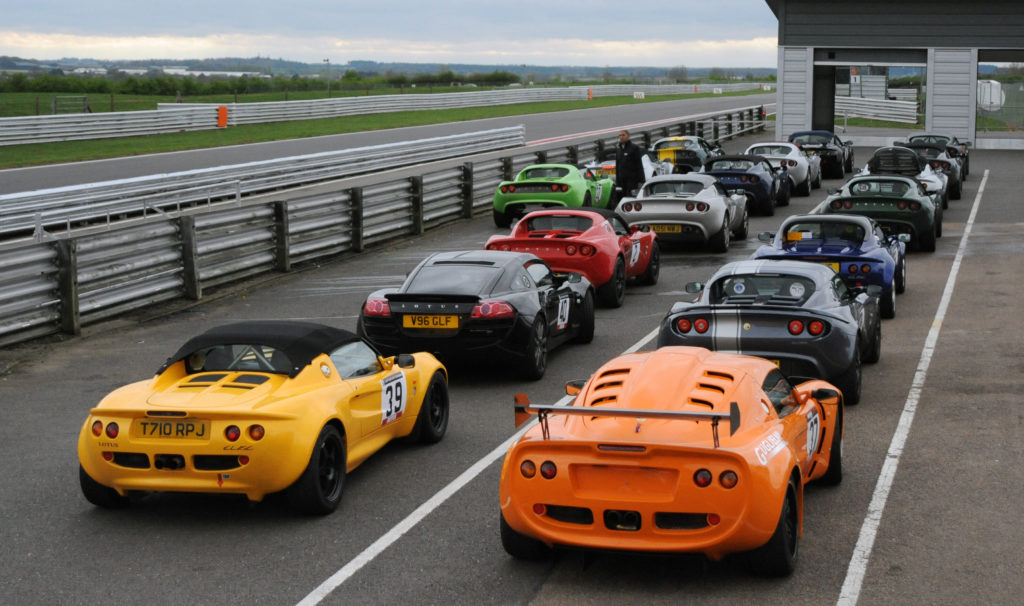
{"x": 877, "y": 109}
{"x": 108, "y": 201}
{"x": 82, "y": 276}
{"x": 177, "y": 117}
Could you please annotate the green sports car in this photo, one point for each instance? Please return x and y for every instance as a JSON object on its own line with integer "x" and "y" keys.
{"x": 547, "y": 186}
{"x": 899, "y": 204}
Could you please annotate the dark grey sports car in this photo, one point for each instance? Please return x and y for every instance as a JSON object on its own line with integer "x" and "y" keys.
{"x": 800, "y": 315}
{"x": 480, "y": 304}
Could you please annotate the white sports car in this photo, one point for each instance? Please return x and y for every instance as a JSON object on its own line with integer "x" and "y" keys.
{"x": 896, "y": 160}
{"x": 691, "y": 207}
{"x": 804, "y": 170}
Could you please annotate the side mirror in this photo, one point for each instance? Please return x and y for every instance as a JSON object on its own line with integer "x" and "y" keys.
{"x": 574, "y": 387}
{"x": 856, "y": 171}
{"x": 825, "y": 395}
{"x": 833, "y": 191}
{"x": 405, "y": 360}
{"x": 694, "y": 287}
{"x": 765, "y": 236}
{"x": 903, "y": 237}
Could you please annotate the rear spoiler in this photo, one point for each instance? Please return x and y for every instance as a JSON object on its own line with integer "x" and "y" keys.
{"x": 524, "y": 409}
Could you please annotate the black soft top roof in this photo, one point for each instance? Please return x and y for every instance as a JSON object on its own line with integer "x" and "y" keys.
{"x": 300, "y": 341}
{"x": 748, "y": 157}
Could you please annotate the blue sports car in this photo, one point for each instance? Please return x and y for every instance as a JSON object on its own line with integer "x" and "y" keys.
{"x": 853, "y": 245}
{"x": 765, "y": 186}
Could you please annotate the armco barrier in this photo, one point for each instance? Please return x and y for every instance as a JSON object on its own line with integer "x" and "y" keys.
{"x": 82, "y": 276}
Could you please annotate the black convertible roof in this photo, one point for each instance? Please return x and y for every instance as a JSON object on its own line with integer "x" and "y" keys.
{"x": 749, "y": 157}
{"x": 300, "y": 341}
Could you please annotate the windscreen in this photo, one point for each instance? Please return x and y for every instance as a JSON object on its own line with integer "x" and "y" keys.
{"x": 758, "y": 288}
{"x": 879, "y": 188}
{"x": 673, "y": 187}
{"x": 806, "y": 231}
{"x": 770, "y": 150}
{"x": 731, "y": 165}
{"x": 550, "y": 172}
{"x": 811, "y": 139}
{"x": 454, "y": 279}
{"x": 559, "y": 223}
{"x": 681, "y": 144}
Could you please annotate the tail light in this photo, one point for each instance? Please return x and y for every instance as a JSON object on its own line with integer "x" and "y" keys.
{"x": 848, "y": 204}
{"x": 816, "y": 327}
{"x": 97, "y": 428}
{"x": 587, "y": 250}
{"x": 508, "y": 189}
{"x": 865, "y": 269}
{"x": 702, "y": 207}
{"x": 901, "y": 205}
{"x": 489, "y": 310}
{"x": 559, "y": 187}
{"x": 112, "y": 430}
{"x": 256, "y": 432}
{"x": 377, "y": 307}
{"x": 528, "y": 468}
{"x": 728, "y": 479}
{"x": 853, "y": 268}
{"x": 701, "y": 325}
{"x": 915, "y": 206}
{"x": 638, "y": 205}
{"x": 232, "y": 433}
{"x": 690, "y": 206}
{"x": 548, "y": 470}
{"x": 792, "y": 163}
{"x": 702, "y": 478}
{"x": 570, "y": 250}
{"x": 627, "y": 207}
{"x": 836, "y": 204}
{"x": 796, "y": 327}
{"x": 683, "y": 324}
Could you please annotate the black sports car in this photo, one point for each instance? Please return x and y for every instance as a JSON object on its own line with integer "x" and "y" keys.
{"x": 836, "y": 155}
{"x": 475, "y": 304}
{"x": 766, "y": 186}
{"x": 800, "y": 315}
{"x": 941, "y": 158}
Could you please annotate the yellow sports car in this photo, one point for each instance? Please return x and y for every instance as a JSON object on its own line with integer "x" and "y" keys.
{"x": 259, "y": 407}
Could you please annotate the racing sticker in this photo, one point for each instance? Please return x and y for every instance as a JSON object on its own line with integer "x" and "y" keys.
{"x": 797, "y": 289}
{"x": 634, "y": 255}
{"x": 563, "y": 312}
{"x": 769, "y": 447}
{"x": 597, "y": 190}
{"x": 392, "y": 397}
{"x": 813, "y": 432}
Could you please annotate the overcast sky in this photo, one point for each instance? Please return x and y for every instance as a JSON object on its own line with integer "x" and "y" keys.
{"x": 695, "y": 33}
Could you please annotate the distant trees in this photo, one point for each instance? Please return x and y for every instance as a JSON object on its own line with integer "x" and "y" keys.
{"x": 679, "y": 73}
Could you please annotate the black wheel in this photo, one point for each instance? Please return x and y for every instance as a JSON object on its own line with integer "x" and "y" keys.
{"x": 502, "y": 219}
{"x": 816, "y": 184}
{"x": 650, "y": 275}
{"x": 520, "y": 546}
{"x": 432, "y": 420}
{"x": 720, "y": 241}
{"x": 849, "y": 382}
{"x": 98, "y": 494}
{"x": 938, "y": 224}
{"x": 945, "y": 199}
{"x": 777, "y": 557}
{"x": 901, "y": 276}
{"x": 744, "y": 228}
{"x": 536, "y": 360}
{"x": 768, "y": 208}
{"x": 586, "y": 334}
{"x": 848, "y": 166}
{"x": 887, "y": 306}
{"x": 875, "y": 353}
{"x": 613, "y": 292}
{"x": 804, "y": 189}
{"x": 834, "y": 474}
{"x": 318, "y": 489}
{"x": 783, "y": 199}
{"x": 927, "y": 239}
{"x": 958, "y": 191}
{"x": 588, "y": 200}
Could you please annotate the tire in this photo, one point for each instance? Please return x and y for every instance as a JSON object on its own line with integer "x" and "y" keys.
{"x": 432, "y": 420}
{"x": 720, "y": 242}
{"x": 945, "y": 199}
{"x": 938, "y": 225}
{"x": 98, "y": 494}
{"x": 586, "y": 334}
{"x": 834, "y": 474}
{"x": 816, "y": 184}
{"x": 957, "y": 193}
{"x": 927, "y": 240}
{"x": 783, "y": 200}
{"x": 850, "y": 381}
{"x": 768, "y": 208}
{"x": 502, "y": 219}
{"x": 875, "y": 353}
{"x": 744, "y": 228}
{"x": 520, "y": 546}
{"x": 901, "y": 276}
{"x": 777, "y": 557}
{"x": 318, "y": 490}
{"x": 653, "y": 270}
{"x": 613, "y": 292}
{"x": 536, "y": 360}
{"x": 588, "y": 200}
{"x": 887, "y": 306}
{"x": 804, "y": 189}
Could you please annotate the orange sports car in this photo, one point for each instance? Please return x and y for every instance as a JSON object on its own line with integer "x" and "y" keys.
{"x": 679, "y": 450}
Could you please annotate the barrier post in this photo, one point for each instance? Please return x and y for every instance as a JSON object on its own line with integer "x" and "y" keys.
{"x": 67, "y": 285}
{"x": 190, "y": 258}
{"x": 222, "y": 116}
{"x": 416, "y": 198}
{"x": 282, "y": 243}
{"x": 466, "y": 190}
{"x": 356, "y": 196}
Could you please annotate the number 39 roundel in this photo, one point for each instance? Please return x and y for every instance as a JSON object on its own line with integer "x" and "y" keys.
{"x": 392, "y": 397}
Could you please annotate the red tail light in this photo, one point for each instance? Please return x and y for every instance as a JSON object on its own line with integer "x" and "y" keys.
{"x": 570, "y": 250}
{"x": 684, "y": 325}
{"x": 232, "y": 433}
{"x": 548, "y": 470}
{"x": 848, "y": 204}
{"x": 702, "y": 478}
{"x": 701, "y": 325}
{"x": 703, "y": 207}
{"x": 555, "y": 187}
{"x": 852, "y": 268}
{"x": 792, "y": 163}
{"x": 638, "y": 205}
{"x": 377, "y": 307}
{"x": 816, "y": 327}
{"x": 865, "y": 269}
{"x": 836, "y": 204}
{"x": 490, "y": 310}
{"x": 796, "y": 327}
{"x": 714, "y": 519}
{"x": 587, "y": 250}
{"x": 539, "y": 509}
{"x": 915, "y": 206}
{"x": 508, "y": 189}
{"x": 690, "y": 206}
{"x": 902, "y": 205}
{"x": 627, "y": 207}
{"x": 112, "y": 430}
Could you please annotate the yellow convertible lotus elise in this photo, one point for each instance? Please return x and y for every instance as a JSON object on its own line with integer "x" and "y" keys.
{"x": 255, "y": 408}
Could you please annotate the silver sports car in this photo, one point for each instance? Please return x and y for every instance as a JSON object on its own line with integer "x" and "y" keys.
{"x": 804, "y": 170}
{"x": 691, "y": 207}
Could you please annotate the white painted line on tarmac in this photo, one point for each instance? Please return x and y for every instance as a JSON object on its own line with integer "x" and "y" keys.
{"x": 396, "y": 532}
{"x": 850, "y": 592}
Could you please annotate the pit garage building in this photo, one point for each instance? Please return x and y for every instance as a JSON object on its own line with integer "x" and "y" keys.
{"x": 948, "y": 38}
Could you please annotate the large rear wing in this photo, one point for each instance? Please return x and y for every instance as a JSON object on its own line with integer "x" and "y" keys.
{"x": 524, "y": 410}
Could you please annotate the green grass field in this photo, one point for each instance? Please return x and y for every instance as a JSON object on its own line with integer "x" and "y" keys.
{"x": 18, "y": 156}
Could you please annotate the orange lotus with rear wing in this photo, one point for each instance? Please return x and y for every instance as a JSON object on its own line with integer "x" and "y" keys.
{"x": 676, "y": 450}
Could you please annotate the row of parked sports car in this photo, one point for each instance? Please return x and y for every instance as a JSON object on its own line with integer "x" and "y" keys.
{"x": 637, "y": 460}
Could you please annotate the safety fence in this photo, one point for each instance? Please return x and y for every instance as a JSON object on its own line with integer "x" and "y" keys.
{"x": 178, "y": 117}
{"x": 64, "y": 281}
{"x": 877, "y": 109}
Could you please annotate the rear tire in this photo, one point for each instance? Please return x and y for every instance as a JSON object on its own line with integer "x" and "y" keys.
{"x": 318, "y": 490}
{"x": 650, "y": 275}
{"x": 720, "y": 241}
{"x": 520, "y": 546}
{"x": 875, "y": 353}
{"x": 777, "y": 557}
{"x": 586, "y": 334}
{"x": 834, "y": 474}
{"x": 927, "y": 242}
{"x": 850, "y": 381}
{"x": 613, "y": 292}
{"x": 816, "y": 184}
{"x": 887, "y": 306}
{"x": 536, "y": 361}
{"x": 804, "y": 189}
{"x": 98, "y": 494}
{"x": 432, "y": 420}
{"x": 901, "y": 276}
{"x": 501, "y": 219}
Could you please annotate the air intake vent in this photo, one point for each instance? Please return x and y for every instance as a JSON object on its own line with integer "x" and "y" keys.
{"x": 711, "y": 387}
{"x": 251, "y": 379}
{"x": 720, "y": 375}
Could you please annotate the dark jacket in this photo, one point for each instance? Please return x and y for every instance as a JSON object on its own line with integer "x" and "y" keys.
{"x": 629, "y": 167}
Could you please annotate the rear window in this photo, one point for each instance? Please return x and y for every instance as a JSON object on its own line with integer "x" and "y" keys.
{"x": 811, "y": 139}
{"x": 545, "y": 173}
{"x": 683, "y": 144}
{"x": 731, "y": 165}
{"x": 762, "y": 288}
{"x": 824, "y": 230}
{"x": 770, "y": 150}
{"x": 241, "y": 357}
{"x": 673, "y": 187}
{"x": 559, "y": 223}
{"x": 453, "y": 279}
{"x": 880, "y": 187}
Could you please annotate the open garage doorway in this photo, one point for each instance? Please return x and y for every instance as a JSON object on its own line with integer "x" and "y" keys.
{"x": 881, "y": 96}
{"x": 1000, "y": 113}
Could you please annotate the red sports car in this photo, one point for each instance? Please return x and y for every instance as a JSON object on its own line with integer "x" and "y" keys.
{"x": 595, "y": 242}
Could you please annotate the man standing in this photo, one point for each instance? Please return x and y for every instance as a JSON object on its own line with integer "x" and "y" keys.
{"x": 629, "y": 166}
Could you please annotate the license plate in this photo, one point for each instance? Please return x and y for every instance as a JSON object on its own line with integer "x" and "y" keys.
{"x": 606, "y": 172}
{"x": 834, "y": 266}
{"x": 436, "y": 321}
{"x": 667, "y": 229}
{"x": 177, "y": 429}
